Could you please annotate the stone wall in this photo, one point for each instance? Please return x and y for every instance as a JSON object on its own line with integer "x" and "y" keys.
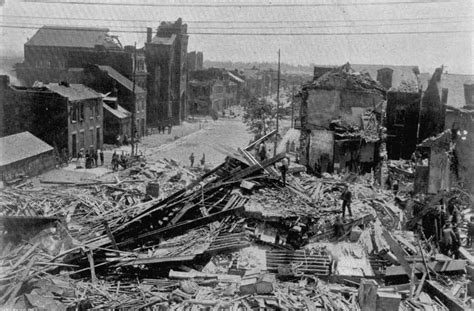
{"x": 30, "y": 167}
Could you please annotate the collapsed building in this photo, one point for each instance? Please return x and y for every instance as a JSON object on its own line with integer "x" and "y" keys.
{"x": 340, "y": 119}
{"x": 231, "y": 237}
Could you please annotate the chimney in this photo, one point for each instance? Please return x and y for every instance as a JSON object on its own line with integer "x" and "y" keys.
{"x": 149, "y": 34}
{"x": 469, "y": 94}
{"x": 384, "y": 76}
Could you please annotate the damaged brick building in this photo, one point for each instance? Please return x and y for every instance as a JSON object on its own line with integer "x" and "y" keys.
{"x": 340, "y": 115}
{"x": 213, "y": 90}
{"x": 54, "y": 52}
{"x": 66, "y": 116}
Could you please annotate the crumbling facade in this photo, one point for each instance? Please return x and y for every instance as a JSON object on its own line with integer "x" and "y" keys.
{"x": 332, "y": 113}
{"x": 433, "y": 168}
{"x": 461, "y": 123}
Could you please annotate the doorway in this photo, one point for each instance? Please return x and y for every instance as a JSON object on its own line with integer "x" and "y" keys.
{"x": 74, "y": 145}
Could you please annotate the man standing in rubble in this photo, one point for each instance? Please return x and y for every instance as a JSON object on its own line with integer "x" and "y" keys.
{"x": 470, "y": 231}
{"x": 346, "y": 198}
{"x": 285, "y": 163}
{"x": 447, "y": 239}
{"x": 191, "y": 159}
{"x": 262, "y": 152}
{"x": 456, "y": 243}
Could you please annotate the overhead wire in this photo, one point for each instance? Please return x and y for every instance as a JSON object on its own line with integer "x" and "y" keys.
{"x": 242, "y": 5}
{"x": 269, "y": 33}
{"x": 243, "y": 21}
{"x": 243, "y": 27}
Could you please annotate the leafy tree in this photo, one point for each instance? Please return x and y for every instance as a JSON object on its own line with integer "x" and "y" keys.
{"x": 259, "y": 115}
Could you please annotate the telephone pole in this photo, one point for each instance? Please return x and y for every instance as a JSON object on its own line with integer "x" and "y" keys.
{"x": 278, "y": 106}
{"x": 134, "y": 98}
{"x": 293, "y": 107}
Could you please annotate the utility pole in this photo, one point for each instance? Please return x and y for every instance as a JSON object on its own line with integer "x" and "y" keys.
{"x": 278, "y": 106}
{"x": 293, "y": 107}
{"x": 134, "y": 98}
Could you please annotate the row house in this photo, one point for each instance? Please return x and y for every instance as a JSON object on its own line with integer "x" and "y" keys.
{"x": 66, "y": 116}
{"x": 212, "y": 90}
{"x": 166, "y": 62}
{"x": 260, "y": 83}
{"x": 123, "y": 97}
{"x": 51, "y": 53}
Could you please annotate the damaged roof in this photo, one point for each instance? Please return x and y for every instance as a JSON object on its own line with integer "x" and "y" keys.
{"x": 455, "y": 85}
{"x": 117, "y": 76}
{"x": 442, "y": 140}
{"x": 83, "y": 37}
{"x": 345, "y": 77}
{"x": 404, "y": 78}
{"x": 164, "y": 40}
{"x": 119, "y": 113}
{"x": 21, "y": 146}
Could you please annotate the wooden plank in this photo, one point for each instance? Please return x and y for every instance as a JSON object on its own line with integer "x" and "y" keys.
{"x": 261, "y": 139}
{"x": 466, "y": 255}
{"x": 397, "y": 251}
{"x": 436, "y": 289}
{"x": 182, "y": 227}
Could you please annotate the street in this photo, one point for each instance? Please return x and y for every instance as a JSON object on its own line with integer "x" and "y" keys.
{"x": 229, "y": 132}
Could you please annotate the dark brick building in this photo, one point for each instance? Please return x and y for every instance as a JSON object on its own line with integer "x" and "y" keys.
{"x": 63, "y": 115}
{"x": 166, "y": 62}
{"x": 53, "y": 50}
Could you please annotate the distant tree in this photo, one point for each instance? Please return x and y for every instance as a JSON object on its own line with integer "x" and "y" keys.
{"x": 259, "y": 116}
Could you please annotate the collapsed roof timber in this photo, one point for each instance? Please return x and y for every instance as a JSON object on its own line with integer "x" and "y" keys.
{"x": 231, "y": 238}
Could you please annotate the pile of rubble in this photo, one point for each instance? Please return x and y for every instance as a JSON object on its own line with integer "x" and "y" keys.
{"x": 227, "y": 238}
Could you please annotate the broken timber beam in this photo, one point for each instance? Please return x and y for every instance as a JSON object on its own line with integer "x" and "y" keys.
{"x": 437, "y": 290}
{"x": 261, "y": 139}
{"x": 183, "y": 226}
{"x": 466, "y": 255}
{"x": 397, "y": 251}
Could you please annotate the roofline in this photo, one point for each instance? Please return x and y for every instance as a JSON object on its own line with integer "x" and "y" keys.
{"x": 59, "y": 27}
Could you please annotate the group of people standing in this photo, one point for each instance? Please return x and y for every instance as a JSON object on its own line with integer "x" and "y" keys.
{"x": 162, "y": 128}
{"x": 90, "y": 158}
{"x": 121, "y": 160}
{"x": 450, "y": 239}
{"x": 192, "y": 158}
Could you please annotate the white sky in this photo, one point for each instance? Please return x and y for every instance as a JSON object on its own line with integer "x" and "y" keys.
{"x": 426, "y": 50}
